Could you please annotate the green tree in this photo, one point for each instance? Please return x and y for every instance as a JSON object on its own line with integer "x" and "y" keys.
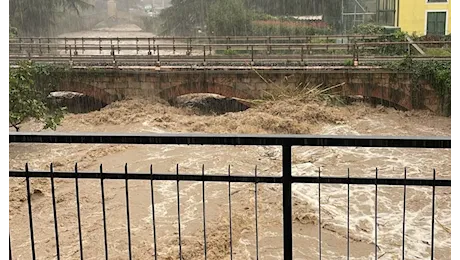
{"x": 37, "y": 17}
{"x": 30, "y": 85}
{"x": 183, "y": 16}
{"x": 229, "y": 17}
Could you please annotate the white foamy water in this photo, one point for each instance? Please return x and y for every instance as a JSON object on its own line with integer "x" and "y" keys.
{"x": 362, "y": 162}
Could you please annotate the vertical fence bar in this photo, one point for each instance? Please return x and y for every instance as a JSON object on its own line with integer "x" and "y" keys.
{"x": 230, "y": 213}
{"x": 75, "y": 47}
{"x": 158, "y": 53}
{"x": 404, "y": 215}
{"x": 319, "y": 212}
{"x": 287, "y": 201}
{"x": 153, "y": 213}
{"x": 103, "y": 215}
{"x": 348, "y": 214}
{"x": 432, "y": 214}
{"x": 150, "y": 51}
{"x": 256, "y": 211}
{"x": 53, "y": 197}
{"x": 9, "y": 240}
{"x": 128, "y": 224}
{"x": 252, "y": 53}
{"x": 29, "y": 205}
{"x": 77, "y": 194}
{"x": 204, "y": 216}
{"x": 178, "y": 212}
{"x": 204, "y": 53}
{"x": 375, "y": 218}
{"x": 118, "y": 46}
{"x": 301, "y": 53}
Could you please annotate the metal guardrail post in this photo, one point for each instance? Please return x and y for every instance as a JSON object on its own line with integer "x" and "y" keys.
{"x": 118, "y": 45}
{"x": 204, "y": 54}
{"x": 49, "y": 42}
{"x": 113, "y": 55}
{"x": 287, "y": 201}
{"x": 252, "y": 53}
{"x": 174, "y": 45}
{"x": 75, "y": 43}
{"x": 100, "y": 45}
{"x": 82, "y": 45}
{"x": 150, "y": 51}
{"x": 65, "y": 44}
{"x": 301, "y": 53}
{"x": 70, "y": 55}
{"x": 158, "y": 54}
{"x": 40, "y": 46}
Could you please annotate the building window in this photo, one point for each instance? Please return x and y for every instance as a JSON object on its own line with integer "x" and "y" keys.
{"x": 437, "y": 1}
{"x": 436, "y": 23}
{"x": 386, "y": 12}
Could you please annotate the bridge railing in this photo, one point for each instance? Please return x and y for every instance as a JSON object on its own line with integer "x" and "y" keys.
{"x": 210, "y": 39}
{"x": 141, "y": 54}
{"x": 286, "y": 142}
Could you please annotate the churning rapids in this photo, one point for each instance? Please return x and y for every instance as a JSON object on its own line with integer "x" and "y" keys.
{"x": 272, "y": 117}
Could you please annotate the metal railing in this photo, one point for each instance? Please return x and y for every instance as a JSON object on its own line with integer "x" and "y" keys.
{"x": 234, "y": 54}
{"x": 287, "y": 179}
{"x": 149, "y": 48}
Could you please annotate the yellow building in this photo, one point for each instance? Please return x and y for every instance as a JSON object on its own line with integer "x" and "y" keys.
{"x": 423, "y": 17}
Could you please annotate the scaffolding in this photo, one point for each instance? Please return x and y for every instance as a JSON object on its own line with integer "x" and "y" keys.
{"x": 354, "y": 12}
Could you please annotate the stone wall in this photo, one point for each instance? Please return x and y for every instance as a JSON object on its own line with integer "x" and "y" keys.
{"x": 388, "y": 86}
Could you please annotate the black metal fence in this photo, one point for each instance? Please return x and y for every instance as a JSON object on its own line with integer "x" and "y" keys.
{"x": 286, "y": 141}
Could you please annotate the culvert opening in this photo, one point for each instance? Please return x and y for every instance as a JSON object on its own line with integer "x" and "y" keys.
{"x": 206, "y": 103}
{"x": 76, "y": 102}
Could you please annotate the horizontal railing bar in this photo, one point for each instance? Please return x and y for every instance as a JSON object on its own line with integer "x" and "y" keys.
{"x": 144, "y": 45}
{"x": 231, "y": 178}
{"x": 229, "y": 139}
{"x": 287, "y": 37}
{"x": 145, "y": 58}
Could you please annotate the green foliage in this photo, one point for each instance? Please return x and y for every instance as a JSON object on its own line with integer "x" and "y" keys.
{"x": 230, "y": 52}
{"x": 393, "y": 49}
{"x": 437, "y": 51}
{"x": 228, "y": 17}
{"x": 30, "y": 85}
{"x": 368, "y": 29}
{"x": 184, "y": 16}
{"x": 348, "y": 62}
{"x": 37, "y": 17}
{"x": 435, "y": 73}
{"x": 279, "y": 27}
{"x": 13, "y": 32}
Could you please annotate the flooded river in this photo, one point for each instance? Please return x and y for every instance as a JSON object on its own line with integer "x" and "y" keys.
{"x": 281, "y": 117}
{"x": 277, "y": 117}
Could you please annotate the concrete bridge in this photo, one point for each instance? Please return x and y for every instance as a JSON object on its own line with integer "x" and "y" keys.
{"x": 388, "y": 87}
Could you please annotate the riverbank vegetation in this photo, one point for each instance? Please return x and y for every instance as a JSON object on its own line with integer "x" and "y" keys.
{"x": 40, "y": 17}
{"x": 29, "y": 88}
{"x": 241, "y": 17}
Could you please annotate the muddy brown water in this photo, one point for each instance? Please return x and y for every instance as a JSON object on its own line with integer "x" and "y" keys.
{"x": 279, "y": 117}
{"x": 123, "y": 117}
